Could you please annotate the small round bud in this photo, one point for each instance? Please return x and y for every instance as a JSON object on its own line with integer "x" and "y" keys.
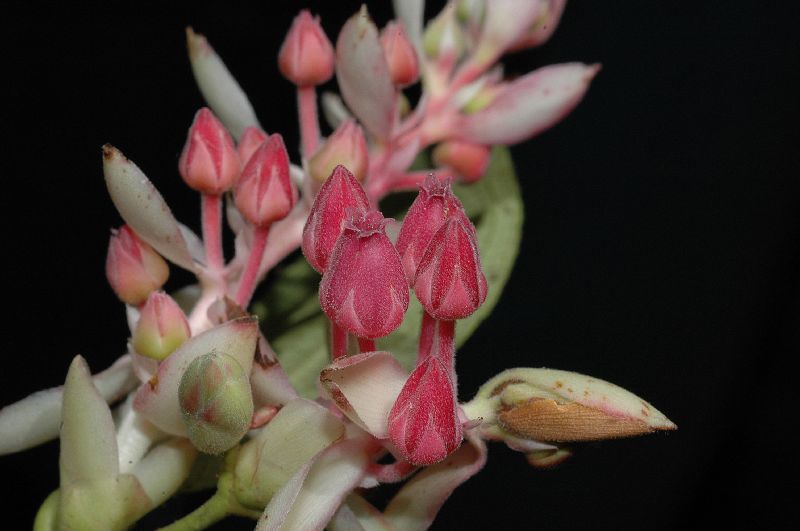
{"x": 209, "y": 162}
{"x": 306, "y": 56}
{"x": 467, "y": 159}
{"x": 266, "y": 193}
{"x": 133, "y": 268}
{"x": 216, "y": 402}
{"x": 400, "y": 54}
{"x": 346, "y": 147}
{"x": 251, "y": 140}
{"x": 162, "y": 327}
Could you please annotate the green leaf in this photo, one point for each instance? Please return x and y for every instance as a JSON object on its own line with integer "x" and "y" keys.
{"x": 297, "y": 328}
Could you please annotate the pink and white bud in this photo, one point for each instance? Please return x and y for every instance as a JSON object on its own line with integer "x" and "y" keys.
{"x": 400, "y": 54}
{"x": 467, "y": 159}
{"x": 424, "y": 424}
{"x": 306, "y": 56}
{"x": 266, "y": 193}
{"x": 251, "y": 140}
{"x": 434, "y": 204}
{"x": 133, "y": 268}
{"x": 162, "y": 327}
{"x": 364, "y": 290}
{"x": 209, "y": 162}
{"x": 340, "y": 193}
{"x": 543, "y": 28}
{"x": 347, "y": 147}
{"x": 216, "y": 402}
{"x": 449, "y": 282}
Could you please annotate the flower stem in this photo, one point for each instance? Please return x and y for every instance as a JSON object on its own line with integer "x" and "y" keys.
{"x": 338, "y": 341}
{"x": 447, "y": 347}
{"x": 211, "y": 207}
{"x": 366, "y": 344}
{"x": 247, "y": 284}
{"x": 427, "y": 335}
{"x": 309, "y": 124}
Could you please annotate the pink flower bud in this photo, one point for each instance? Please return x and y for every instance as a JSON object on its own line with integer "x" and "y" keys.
{"x": 338, "y": 194}
{"x": 265, "y": 193}
{"x": 467, "y": 159}
{"x": 162, "y": 327}
{"x": 251, "y": 140}
{"x": 424, "y": 424}
{"x": 364, "y": 289}
{"x": 449, "y": 282}
{"x": 400, "y": 55}
{"x": 346, "y": 147}
{"x": 306, "y": 56}
{"x": 133, "y": 268}
{"x": 434, "y": 204}
{"x": 209, "y": 162}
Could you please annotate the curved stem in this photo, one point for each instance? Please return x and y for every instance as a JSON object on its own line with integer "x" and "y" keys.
{"x": 211, "y": 212}
{"x": 247, "y": 284}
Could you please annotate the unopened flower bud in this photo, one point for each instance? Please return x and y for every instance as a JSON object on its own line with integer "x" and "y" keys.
{"x": 340, "y": 193}
{"x": 209, "y": 162}
{"x": 266, "y": 193}
{"x": 306, "y": 57}
{"x": 133, "y": 268}
{"x": 364, "y": 289}
{"x": 449, "y": 282}
{"x": 434, "y": 204}
{"x": 467, "y": 159}
{"x": 216, "y": 402}
{"x": 543, "y": 28}
{"x": 400, "y": 54}
{"x": 251, "y": 140}
{"x": 347, "y": 147}
{"x": 424, "y": 424}
{"x": 162, "y": 327}
{"x": 443, "y": 36}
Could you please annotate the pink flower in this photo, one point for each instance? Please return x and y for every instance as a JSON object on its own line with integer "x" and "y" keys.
{"x": 251, "y": 140}
{"x": 339, "y": 193}
{"x": 133, "y": 268}
{"x": 306, "y": 56}
{"x": 424, "y": 424}
{"x": 364, "y": 289}
{"x": 265, "y": 193}
{"x": 449, "y": 282}
{"x": 347, "y": 147}
{"x": 209, "y": 162}
{"x": 400, "y": 55}
{"x": 467, "y": 159}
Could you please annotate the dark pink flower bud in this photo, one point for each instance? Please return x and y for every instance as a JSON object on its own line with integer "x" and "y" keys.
{"x": 265, "y": 193}
{"x": 251, "y": 140}
{"x": 364, "y": 289}
{"x": 133, "y": 268}
{"x": 400, "y": 54}
{"x": 423, "y": 423}
{"x": 347, "y": 147}
{"x": 337, "y": 195}
{"x": 449, "y": 282}
{"x": 467, "y": 159}
{"x": 306, "y": 56}
{"x": 209, "y": 162}
{"x": 434, "y": 204}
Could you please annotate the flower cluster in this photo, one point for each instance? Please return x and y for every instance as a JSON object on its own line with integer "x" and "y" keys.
{"x": 201, "y": 376}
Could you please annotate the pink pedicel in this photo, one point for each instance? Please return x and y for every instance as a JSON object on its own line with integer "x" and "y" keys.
{"x": 449, "y": 281}
{"x": 306, "y": 57}
{"x": 423, "y": 423}
{"x": 265, "y": 193}
{"x": 251, "y": 140}
{"x": 468, "y": 160}
{"x": 346, "y": 147}
{"x": 162, "y": 327}
{"x": 209, "y": 162}
{"x": 340, "y": 192}
{"x": 364, "y": 289}
{"x": 434, "y": 204}
{"x": 400, "y": 55}
{"x": 133, "y": 268}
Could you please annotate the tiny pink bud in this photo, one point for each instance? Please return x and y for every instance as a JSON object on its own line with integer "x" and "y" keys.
{"x": 347, "y": 147}
{"x": 364, "y": 290}
{"x": 423, "y": 423}
{"x": 133, "y": 268}
{"x": 434, "y": 204}
{"x": 251, "y": 140}
{"x": 467, "y": 159}
{"x": 306, "y": 57}
{"x": 338, "y": 194}
{"x": 400, "y": 55}
{"x": 265, "y": 193}
{"x": 449, "y": 282}
{"x": 209, "y": 162}
{"x": 162, "y": 327}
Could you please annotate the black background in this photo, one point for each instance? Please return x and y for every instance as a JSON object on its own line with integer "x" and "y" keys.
{"x": 661, "y": 245}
